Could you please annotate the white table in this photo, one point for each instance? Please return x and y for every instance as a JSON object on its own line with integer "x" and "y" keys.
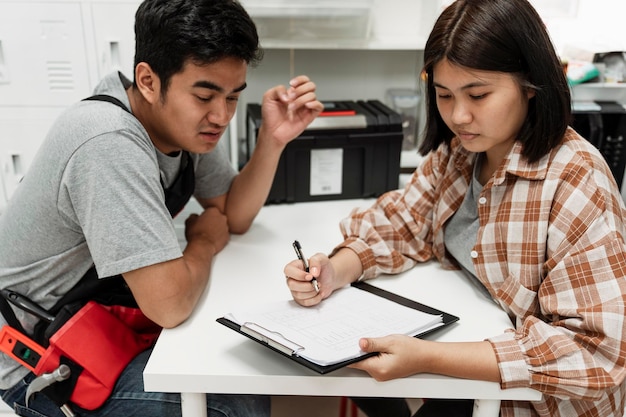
{"x": 203, "y": 356}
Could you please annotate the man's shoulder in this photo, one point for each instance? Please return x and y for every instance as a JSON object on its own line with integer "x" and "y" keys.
{"x": 88, "y": 119}
{"x": 115, "y": 85}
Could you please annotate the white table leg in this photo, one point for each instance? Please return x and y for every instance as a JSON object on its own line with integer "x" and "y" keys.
{"x": 193, "y": 404}
{"x": 486, "y": 408}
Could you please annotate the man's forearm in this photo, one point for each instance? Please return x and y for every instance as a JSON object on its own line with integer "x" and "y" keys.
{"x": 251, "y": 187}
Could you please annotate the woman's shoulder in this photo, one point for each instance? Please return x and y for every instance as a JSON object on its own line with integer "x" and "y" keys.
{"x": 577, "y": 157}
{"x": 576, "y": 149}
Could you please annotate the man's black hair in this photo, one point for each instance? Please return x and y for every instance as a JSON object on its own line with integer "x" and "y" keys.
{"x": 168, "y": 33}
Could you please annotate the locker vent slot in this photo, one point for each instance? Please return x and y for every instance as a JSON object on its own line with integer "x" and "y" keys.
{"x": 60, "y": 75}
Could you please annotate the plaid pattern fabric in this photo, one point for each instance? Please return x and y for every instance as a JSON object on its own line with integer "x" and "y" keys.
{"x": 550, "y": 250}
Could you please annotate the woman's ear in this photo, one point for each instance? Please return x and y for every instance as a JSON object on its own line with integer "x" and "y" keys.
{"x": 148, "y": 83}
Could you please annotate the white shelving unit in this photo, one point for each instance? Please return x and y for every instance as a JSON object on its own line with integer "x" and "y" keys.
{"x": 71, "y": 44}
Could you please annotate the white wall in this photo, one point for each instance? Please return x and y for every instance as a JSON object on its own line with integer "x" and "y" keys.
{"x": 598, "y": 25}
{"x": 53, "y": 52}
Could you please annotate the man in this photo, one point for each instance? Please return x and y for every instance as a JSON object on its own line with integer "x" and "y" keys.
{"x": 113, "y": 171}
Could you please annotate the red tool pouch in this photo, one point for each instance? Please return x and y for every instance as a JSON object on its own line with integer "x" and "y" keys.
{"x": 97, "y": 342}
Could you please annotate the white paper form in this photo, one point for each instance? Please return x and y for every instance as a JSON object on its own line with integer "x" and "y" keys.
{"x": 326, "y": 174}
{"x": 329, "y": 332}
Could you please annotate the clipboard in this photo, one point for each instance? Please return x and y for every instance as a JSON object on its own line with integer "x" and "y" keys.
{"x": 291, "y": 350}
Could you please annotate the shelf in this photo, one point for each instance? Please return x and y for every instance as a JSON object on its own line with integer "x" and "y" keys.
{"x": 389, "y": 44}
{"x": 599, "y": 92}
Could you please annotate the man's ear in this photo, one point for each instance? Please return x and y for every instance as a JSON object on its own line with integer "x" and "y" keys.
{"x": 148, "y": 83}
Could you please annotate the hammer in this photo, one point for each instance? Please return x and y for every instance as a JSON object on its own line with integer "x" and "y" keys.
{"x": 45, "y": 380}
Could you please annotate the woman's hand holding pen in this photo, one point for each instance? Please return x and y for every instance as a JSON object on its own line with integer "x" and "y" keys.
{"x": 331, "y": 273}
{"x": 300, "y": 283}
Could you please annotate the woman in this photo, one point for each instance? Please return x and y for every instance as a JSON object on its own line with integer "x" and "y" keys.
{"x": 525, "y": 206}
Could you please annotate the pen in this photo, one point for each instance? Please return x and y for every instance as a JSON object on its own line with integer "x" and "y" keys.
{"x": 298, "y": 249}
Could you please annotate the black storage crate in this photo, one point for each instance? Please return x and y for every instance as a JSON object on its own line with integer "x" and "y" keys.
{"x": 370, "y": 137}
{"x": 605, "y": 128}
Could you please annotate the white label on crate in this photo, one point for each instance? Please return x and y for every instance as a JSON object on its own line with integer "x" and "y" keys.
{"x": 326, "y": 171}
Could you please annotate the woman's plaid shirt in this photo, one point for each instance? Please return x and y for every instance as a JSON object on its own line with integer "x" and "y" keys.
{"x": 550, "y": 250}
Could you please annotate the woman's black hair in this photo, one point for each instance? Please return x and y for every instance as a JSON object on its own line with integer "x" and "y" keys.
{"x": 503, "y": 36}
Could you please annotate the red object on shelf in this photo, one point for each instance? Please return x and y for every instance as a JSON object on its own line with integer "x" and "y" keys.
{"x": 338, "y": 113}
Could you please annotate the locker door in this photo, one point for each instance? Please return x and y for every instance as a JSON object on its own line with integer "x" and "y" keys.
{"x": 3, "y": 198}
{"x": 44, "y": 68}
{"x": 43, "y": 57}
{"x": 22, "y": 129}
{"x": 114, "y": 36}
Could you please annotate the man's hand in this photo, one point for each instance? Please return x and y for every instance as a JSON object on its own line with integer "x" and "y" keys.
{"x": 211, "y": 227}
{"x": 286, "y": 112}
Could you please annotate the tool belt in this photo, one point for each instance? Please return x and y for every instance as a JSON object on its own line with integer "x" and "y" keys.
{"x": 96, "y": 341}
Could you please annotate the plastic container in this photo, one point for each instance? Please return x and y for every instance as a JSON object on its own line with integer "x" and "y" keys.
{"x": 406, "y": 102}
{"x": 295, "y": 21}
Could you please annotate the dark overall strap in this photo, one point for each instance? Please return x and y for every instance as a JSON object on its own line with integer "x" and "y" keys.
{"x": 108, "y": 291}
{"x": 110, "y": 99}
{"x": 9, "y": 315}
{"x": 178, "y": 194}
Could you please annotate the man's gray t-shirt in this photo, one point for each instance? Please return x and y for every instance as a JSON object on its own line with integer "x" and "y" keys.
{"x": 93, "y": 195}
